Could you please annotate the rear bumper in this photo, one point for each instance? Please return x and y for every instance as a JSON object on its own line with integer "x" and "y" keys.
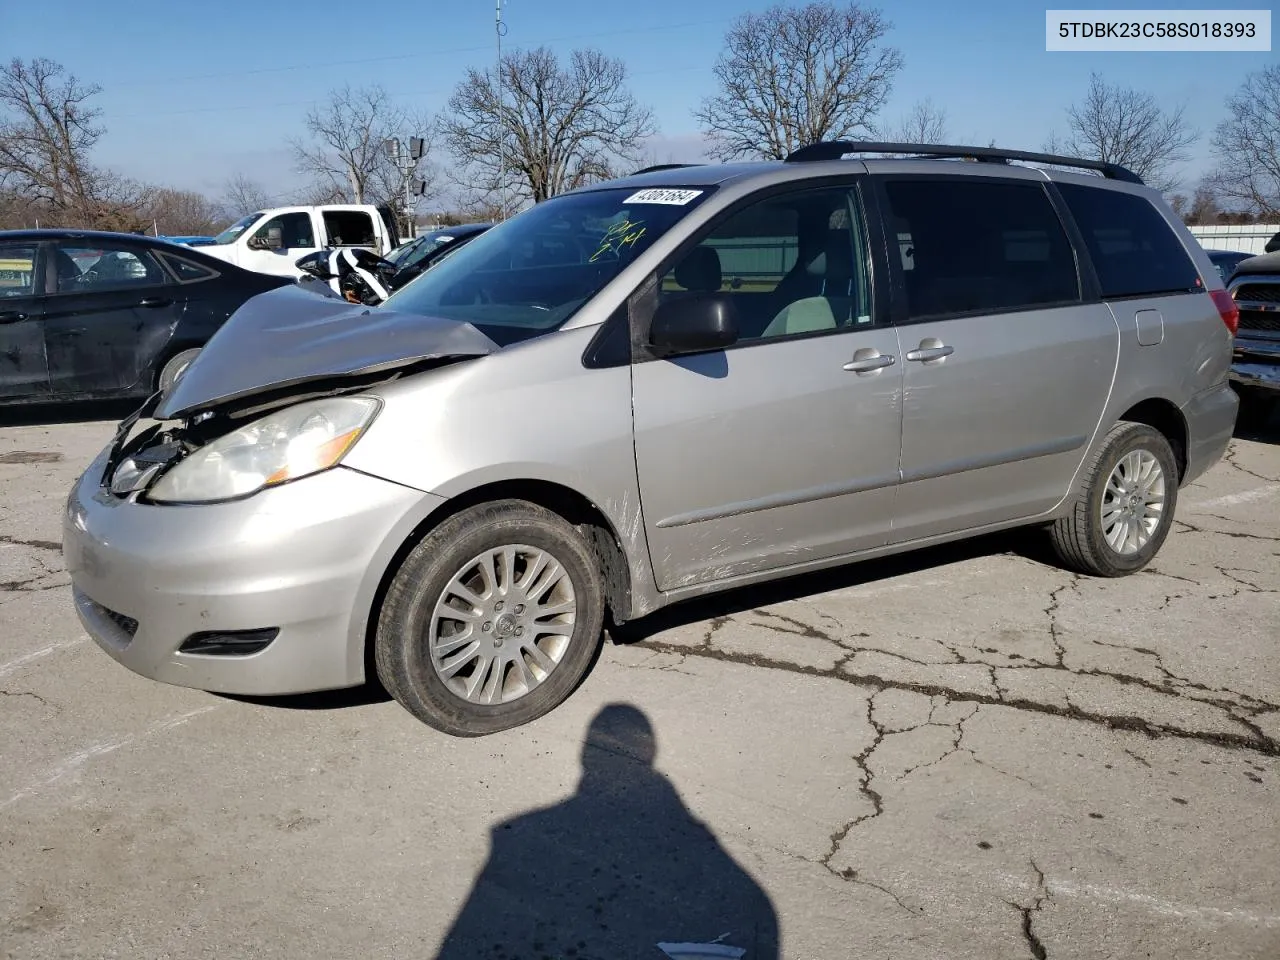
{"x": 1256, "y": 362}
{"x": 1211, "y": 420}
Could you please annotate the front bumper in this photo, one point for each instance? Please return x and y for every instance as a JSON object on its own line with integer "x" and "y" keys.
{"x": 305, "y": 558}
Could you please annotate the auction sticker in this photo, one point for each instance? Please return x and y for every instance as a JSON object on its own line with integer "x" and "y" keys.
{"x": 675, "y": 198}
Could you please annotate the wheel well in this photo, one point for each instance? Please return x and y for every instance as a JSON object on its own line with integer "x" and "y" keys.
{"x": 1165, "y": 417}
{"x": 170, "y": 351}
{"x": 569, "y": 504}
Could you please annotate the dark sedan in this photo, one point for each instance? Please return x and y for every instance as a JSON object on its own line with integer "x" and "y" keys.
{"x": 88, "y": 314}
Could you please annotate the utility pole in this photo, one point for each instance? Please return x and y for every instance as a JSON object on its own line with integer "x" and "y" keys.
{"x": 406, "y": 160}
{"x": 500, "y": 29}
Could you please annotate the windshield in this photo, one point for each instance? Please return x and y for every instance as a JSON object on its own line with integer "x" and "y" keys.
{"x": 240, "y": 226}
{"x": 530, "y": 274}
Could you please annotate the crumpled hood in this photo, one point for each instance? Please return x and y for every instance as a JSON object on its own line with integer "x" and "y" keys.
{"x": 290, "y": 336}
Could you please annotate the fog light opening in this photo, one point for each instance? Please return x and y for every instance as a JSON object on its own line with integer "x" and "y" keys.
{"x": 229, "y": 643}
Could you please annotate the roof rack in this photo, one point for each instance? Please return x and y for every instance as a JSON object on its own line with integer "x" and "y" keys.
{"x": 664, "y": 166}
{"x": 835, "y": 149}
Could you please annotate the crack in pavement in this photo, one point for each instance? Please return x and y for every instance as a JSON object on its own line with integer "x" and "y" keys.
{"x": 1034, "y": 943}
{"x": 37, "y": 544}
{"x": 1192, "y": 528}
{"x": 1256, "y": 740}
{"x": 1051, "y": 611}
{"x": 27, "y": 693}
{"x": 1230, "y": 458}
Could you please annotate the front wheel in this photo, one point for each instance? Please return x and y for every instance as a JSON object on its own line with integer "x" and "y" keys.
{"x": 1125, "y": 506}
{"x": 492, "y": 620}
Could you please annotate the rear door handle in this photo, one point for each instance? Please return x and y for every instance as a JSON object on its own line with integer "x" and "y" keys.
{"x": 12, "y": 316}
{"x": 155, "y": 302}
{"x": 930, "y": 349}
{"x": 868, "y": 360}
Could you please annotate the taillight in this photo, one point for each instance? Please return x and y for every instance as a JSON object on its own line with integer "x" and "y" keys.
{"x": 1227, "y": 309}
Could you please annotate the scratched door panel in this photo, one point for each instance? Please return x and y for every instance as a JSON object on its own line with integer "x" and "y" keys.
{"x": 112, "y": 312}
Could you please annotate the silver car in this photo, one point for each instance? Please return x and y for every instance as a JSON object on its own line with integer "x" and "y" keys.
{"x": 684, "y": 381}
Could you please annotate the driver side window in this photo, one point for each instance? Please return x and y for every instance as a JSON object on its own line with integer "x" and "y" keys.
{"x": 792, "y": 264}
{"x": 295, "y": 230}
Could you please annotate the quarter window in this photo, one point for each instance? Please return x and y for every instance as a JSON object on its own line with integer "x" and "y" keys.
{"x": 968, "y": 246}
{"x": 1132, "y": 246}
{"x": 793, "y": 264}
{"x": 186, "y": 271}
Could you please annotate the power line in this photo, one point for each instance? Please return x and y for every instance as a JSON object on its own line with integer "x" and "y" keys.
{"x": 317, "y": 64}
{"x": 240, "y": 107}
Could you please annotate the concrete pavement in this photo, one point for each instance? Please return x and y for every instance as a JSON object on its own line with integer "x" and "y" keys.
{"x": 965, "y": 753}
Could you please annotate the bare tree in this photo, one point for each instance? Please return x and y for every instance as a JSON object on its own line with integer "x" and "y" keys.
{"x": 557, "y": 127}
{"x": 182, "y": 212}
{"x": 924, "y": 124}
{"x": 47, "y": 131}
{"x": 347, "y": 146}
{"x": 241, "y": 195}
{"x": 1126, "y": 126}
{"x": 795, "y": 75}
{"x": 1247, "y": 146}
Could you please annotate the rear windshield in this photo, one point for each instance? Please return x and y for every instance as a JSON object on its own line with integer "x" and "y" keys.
{"x": 531, "y": 274}
{"x": 1135, "y": 251}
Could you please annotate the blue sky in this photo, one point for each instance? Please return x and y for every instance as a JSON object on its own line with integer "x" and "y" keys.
{"x": 194, "y": 93}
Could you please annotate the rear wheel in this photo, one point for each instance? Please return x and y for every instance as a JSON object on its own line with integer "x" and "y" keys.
{"x": 175, "y": 368}
{"x": 492, "y": 620}
{"x": 1124, "y": 509}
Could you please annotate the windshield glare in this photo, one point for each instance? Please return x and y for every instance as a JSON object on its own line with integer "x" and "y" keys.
{"x": 530, "y": 274}
{"x": 237, "y": 228}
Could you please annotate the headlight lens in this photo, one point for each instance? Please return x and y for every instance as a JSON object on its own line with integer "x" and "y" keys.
{"x": 291, "y": 443}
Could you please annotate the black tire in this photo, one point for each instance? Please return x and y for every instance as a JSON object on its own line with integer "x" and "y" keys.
{"x": 1078, "y": 537}
{"x": 174, "y": 368}
{"x": 401, "y": 641}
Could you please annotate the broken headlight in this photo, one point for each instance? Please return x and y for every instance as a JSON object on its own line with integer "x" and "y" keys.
{"x": 286, "y": 445}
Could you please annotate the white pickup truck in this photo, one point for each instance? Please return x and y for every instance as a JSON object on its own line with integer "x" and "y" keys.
{"x": 272, "y": 241}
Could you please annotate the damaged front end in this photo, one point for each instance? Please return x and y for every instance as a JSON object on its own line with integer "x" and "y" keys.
{"x": 283, "y": 349}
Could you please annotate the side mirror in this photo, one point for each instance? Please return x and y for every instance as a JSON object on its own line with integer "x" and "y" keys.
{"x": 694, "y": 324}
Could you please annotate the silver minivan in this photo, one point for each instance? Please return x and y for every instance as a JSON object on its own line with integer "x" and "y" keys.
{"x": 684, "y": 381}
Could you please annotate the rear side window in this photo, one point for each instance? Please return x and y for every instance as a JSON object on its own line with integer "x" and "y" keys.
{"x": 1132, "y": 247}
{"x": 349, "y": 228}
{"x": 968, "y": 246}
{"x": 17, "y": 270}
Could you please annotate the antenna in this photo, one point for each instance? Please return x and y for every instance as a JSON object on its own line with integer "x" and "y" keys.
{"x": 500, "y": 30}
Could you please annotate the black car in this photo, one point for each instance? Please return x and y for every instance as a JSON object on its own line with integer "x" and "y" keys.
{"x": 88, "y": 314}
{"x": 421, "y": 253}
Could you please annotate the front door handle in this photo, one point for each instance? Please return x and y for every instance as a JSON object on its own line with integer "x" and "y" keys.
{"x": 155, "y": 301}
{"x": 931, "y": 350}
{"x": 12, "y": 316}
{"x": 869, "y": 360}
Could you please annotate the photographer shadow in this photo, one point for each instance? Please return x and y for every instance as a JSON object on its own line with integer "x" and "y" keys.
{"x": 619, "y": 867}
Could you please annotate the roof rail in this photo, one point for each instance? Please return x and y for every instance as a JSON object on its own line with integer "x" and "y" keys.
{"x": 664, "y": 166}
{"x": 835, "y": 149}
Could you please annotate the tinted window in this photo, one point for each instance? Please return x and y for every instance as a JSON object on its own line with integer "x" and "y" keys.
{"x": 93, "y": 269}
{"x": 349, "y": 228}
{"x": 187, "y": 271}
{"x": 1133, "y": 249}
{"x": 792, "y": 264}
{"x": 295, "y": 230}
{"x": 17, "y": 270}
{"x": 968, "y": 247}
